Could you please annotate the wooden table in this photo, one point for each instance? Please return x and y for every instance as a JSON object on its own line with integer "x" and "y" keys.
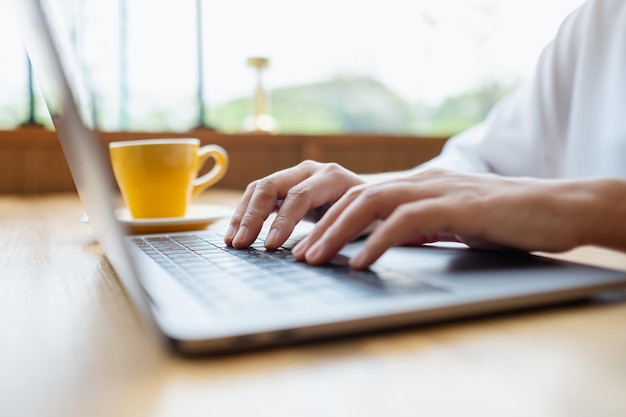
{"x": 71, "y": 345}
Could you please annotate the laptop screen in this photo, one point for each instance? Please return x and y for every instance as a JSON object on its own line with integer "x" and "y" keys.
{"x": 59, "y": 77}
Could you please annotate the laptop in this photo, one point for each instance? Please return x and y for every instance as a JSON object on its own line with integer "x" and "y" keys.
{"x": 203, "y": 297}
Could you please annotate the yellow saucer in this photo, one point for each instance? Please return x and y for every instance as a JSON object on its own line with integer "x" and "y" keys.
{"x": 198, "y": 216}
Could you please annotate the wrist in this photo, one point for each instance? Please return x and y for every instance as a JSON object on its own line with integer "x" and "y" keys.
{"x": 602, "y": 213}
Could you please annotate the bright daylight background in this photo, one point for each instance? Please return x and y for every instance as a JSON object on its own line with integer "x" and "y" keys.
{"x": 382, "y": 66}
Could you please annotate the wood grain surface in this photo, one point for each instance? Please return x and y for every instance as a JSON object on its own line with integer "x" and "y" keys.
{"x": 72, "y": 345}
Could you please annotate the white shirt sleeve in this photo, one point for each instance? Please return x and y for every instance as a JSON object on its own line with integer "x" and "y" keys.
{"x": 525, "y": 133}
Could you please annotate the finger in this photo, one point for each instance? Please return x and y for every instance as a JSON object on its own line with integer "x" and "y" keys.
{"x": 371, "y": 203}
{"x": 256, "y": 212}
{"x": 318, "y": 191}
{"x": 421, "y": 218}
{"x": 310, "y": 193}
{"x": 325, "y": 222}
{"x": 259, "y": 201}
{"x": 235, "y": 219}
{"x": 332, "y": 216}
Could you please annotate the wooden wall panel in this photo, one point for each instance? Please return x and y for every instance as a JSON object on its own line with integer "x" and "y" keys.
{"x": 31, "y": 160}
{"x": 10, "y": 170}
{"x": 381, "y": 155}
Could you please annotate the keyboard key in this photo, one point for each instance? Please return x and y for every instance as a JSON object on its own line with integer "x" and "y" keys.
{"x": 233, "y": 281}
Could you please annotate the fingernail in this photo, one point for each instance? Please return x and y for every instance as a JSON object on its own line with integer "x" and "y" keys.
{"x": 270, "y": 240}
{"x": 240, "y": 237}
{"x": 300, "y": 248}
{"x": 359, "y": 260}
{"x": 230, "y": 233}
{"x": 313, "y": 253}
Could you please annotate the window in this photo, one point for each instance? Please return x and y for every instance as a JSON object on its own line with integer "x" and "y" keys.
{"x": 392, "y": 66}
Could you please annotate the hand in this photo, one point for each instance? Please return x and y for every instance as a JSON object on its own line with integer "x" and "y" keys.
{"x": 307, "y": 186}
{"x": 480, "y": 210}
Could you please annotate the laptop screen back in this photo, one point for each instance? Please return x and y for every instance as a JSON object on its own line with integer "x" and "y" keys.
{"x": 58, "y": 75}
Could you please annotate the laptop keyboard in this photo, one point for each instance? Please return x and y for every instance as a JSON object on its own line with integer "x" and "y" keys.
{"x": 231, "y": 281}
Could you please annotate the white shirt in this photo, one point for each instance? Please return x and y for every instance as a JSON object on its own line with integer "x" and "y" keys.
{"x": 570, "y": 120}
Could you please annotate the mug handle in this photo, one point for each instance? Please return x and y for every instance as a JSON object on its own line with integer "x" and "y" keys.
{"x": 216, "y": 173}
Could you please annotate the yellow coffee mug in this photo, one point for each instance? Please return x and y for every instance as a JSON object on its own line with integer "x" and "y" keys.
{"x": 159, "y": 177}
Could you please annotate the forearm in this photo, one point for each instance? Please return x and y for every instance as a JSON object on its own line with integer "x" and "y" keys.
{"x": 602, "y": 217}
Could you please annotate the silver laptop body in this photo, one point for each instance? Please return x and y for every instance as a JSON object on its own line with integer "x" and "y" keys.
{"x": 203, "y": 297}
